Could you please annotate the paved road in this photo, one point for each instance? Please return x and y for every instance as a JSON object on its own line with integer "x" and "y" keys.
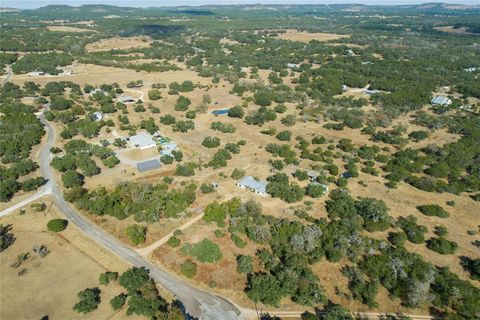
{"x": 199, "y": 303}
{"x": 45, "y": 190}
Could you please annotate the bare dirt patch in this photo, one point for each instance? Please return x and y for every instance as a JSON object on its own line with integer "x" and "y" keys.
{"x": 295, "y": 35}
{"x": 118, "y": 43}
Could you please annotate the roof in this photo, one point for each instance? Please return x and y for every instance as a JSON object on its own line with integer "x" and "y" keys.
{"x": 142, "y": 140}
{"x": 148, "y": 165}
{"x": 124, "y": 98}
{"x": 441, "y": 100}
{"x": 252, "y": 183}
{"x": 98, "y": 115}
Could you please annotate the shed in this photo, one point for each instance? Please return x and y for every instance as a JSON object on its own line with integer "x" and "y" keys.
{"x": 441, "y": 101}
{"x": 125, "y": 99}
{"x": 313, "y": 175}
{"x": 149, "y": 165}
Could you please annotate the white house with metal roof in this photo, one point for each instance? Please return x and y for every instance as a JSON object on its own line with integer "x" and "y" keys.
{"x": 249, "y": 182}
{"x": 142, "y": 141}
{"x": 167, "y": 148}
{"x": 441, "y": 101}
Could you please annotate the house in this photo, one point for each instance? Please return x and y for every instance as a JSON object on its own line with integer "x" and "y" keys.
{"x": 293, "y": 66}
{"x": 441, "y": 101}
{"x": 126, "y": 99}
{"x": 471, "y": 69}
{"x": 249, "y": 182}
{"x": 99, "y": 91}
{"x": 371, "y": 92}
{"x": 142, "y": 141}
{"x": 313, "y": 175}
{"x": 167, "y": 148}
{"x": 35, "y": 73}
{"x": 97, "y": 116}
{"x": 149, "y": 165}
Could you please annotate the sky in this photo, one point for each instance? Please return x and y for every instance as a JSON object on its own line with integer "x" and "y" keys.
{"x": 31, "y": 4}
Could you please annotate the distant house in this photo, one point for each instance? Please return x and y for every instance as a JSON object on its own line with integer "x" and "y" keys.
{"x": 293, "y": 66}
{"x": 125, "y": 99}
{"x": 98, "y": 91}
{"x": 471, "y": 69}
{"x": 313, "y": 175}
{"x": 35, "y": 73}
{"x": 249, "y": 182}
{"x": 371, "y": 92}
{"x": 97, "y": 116}
{"x": 441, "y": 101}
{"x": 142, "y": 141}
{"x": 149, "y": 165}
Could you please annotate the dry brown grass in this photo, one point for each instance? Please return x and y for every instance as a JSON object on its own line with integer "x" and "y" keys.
{"x": 69, "y": 29}
{"x": 306, "y": 37}
{"x": 451, "y": 29}
{"x": 50, "y": 285}
{"x": 118, "y": 43}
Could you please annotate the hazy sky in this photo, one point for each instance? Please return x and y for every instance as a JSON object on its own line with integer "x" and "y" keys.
{"x": 29, "y": 4}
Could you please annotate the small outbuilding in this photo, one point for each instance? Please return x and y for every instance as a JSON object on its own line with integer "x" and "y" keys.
{"x": 149, "y": 165}
{"x": 441, "y": 101}
{"x": 249, "y": 182}
{"x": 97, "y": 116}
{"x": 167, "y": 148}
{"x": 125, "y": 99}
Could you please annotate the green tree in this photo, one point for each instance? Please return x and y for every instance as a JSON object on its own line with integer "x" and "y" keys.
{"x": 57, "y": 225}
{"x": 137, "y": 234}
{"x": 89, "y": 299}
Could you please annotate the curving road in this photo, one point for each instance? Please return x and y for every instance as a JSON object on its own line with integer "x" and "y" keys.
{"x": 198, "y": 303}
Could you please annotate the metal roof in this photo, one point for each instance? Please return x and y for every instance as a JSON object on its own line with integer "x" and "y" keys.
{"x": 252, "y": 183}
{"x": 441, "y": 100}
{"x": 148, "y": 165}
{"x": 142, "y": 140}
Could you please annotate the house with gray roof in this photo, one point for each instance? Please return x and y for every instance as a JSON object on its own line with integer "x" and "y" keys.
{"x": 249, "y": 182}
{"x": 441, "y": 101}
{"x": 125, "y": 99}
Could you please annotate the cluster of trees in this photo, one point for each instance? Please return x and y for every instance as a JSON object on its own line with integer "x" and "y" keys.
{"x": 141, "y": 297}
{"x": 145, "y": 201}
{"x": 7, "y": 238}
{"x": 20, "y": 130}
{"x": 45, "y": 62}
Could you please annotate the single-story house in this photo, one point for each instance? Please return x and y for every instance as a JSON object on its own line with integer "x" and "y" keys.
{"x": 149, "y": 165}
{"x": 142, "y": 141}
{"x": 371, "y": 92}
{"x": 249, "y": 182}
{"x": 293, "y": 65}
{"x": 441, "y": 101}
{"x": 126, "y": 99}
{"x": 471, "y": 69}
{"x": 35, "y": 73}
{"x": 99, "y": 91}
{"x": 97, "y": 116}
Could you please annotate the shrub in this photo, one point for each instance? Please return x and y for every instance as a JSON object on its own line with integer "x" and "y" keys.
{"x": 442, "y": 245}
{"x": 188, "y": 269}
{"x": 118, "y": 301}
{"x": 284, "y": 135}
{"x": 57, "y": 225}
{"x": 72, "y": 179}
{"x": 244, "y": 264}
{"x": 415, "y": 233}
{"x": 236, "y": 112}
{"x": 173, "y": 242}
{"x": 237, "y": 173}
{"x": 106, "y": 277}
{"x": 397, "y": 238}
{"x": 182, "y": 104}
{"x": 89, "y": 299}
{"x": 207, "y": 188}
{"x": 441, "y": 231}
{"x": 211, "y": 142}
{"x": 204, "y": 251}
{"x": 136, "y": 233}
{"x": 238, "y": 241}
{"x": 433, "y": 210}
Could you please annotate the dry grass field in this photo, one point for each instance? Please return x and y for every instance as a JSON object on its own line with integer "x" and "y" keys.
{"x": 118, "y": 43}
{"x": 68, "y": 29}
{"x": 49, "y": 285}
{"x": 295, "y": 35}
